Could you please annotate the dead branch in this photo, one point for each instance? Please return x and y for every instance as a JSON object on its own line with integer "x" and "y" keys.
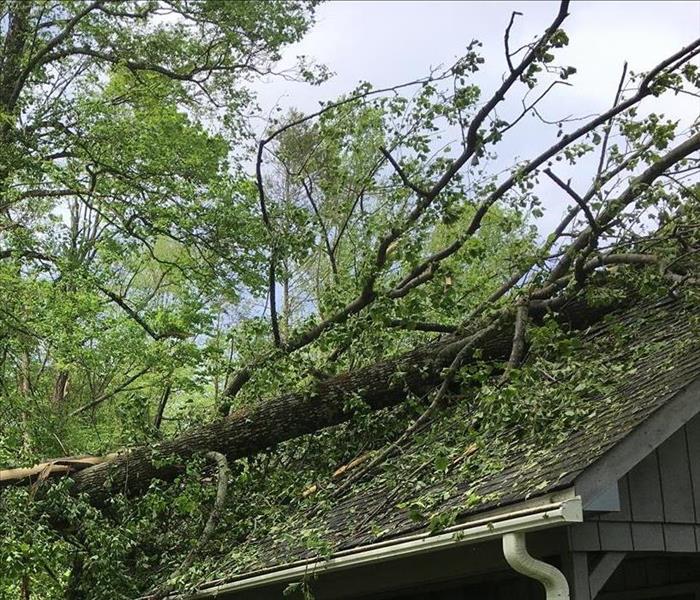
{"x": 506, "y": 39}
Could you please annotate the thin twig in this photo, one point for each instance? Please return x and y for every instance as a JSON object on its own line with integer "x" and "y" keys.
{"x": 608, "y": 128}
{"x": 506, "y": 38}
{"x": 580, "y": 201}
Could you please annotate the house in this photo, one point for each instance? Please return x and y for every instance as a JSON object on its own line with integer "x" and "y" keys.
{"x": 608, "y": 508}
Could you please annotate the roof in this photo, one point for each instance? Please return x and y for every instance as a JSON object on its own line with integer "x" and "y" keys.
{"x": 488, "y": 451}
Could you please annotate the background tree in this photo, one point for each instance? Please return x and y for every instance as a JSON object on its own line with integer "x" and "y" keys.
{"x": 123, "y": 213}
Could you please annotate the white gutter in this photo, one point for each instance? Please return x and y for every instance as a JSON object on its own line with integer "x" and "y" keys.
{"x": 517, "y": 556}
{"x": 529, "y": 519}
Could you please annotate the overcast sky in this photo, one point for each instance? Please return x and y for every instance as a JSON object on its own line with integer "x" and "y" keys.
{"x": 386, "y": 42}
{"x": 389, "y": 42}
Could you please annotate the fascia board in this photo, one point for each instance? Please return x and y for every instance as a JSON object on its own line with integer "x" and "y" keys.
{"x": 523, "y": 520}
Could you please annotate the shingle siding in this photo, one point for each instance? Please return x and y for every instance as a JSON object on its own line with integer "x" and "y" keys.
{"x": 658, "y": 501}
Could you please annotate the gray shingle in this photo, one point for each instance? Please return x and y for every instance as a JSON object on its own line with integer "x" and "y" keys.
{"x": 670, "y": 336}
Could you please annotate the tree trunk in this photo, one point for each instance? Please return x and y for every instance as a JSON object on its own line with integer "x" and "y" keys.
{"x": 291, "y": 415}
{"x": 24, "y": 588}
{"x": 165, "y": 396}
{"x": 25, "y": 388}
{"x": 60, "y": 388}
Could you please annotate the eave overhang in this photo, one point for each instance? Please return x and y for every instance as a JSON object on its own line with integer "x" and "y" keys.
{"x": 550, "y": 511}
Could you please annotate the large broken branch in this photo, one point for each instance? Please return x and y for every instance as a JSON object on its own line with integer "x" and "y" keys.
{"x": 294, "y": 414}
{"x": 51, "y": 468}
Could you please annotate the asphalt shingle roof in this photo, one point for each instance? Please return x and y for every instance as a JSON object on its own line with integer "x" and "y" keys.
{"x": 657, "y": 348}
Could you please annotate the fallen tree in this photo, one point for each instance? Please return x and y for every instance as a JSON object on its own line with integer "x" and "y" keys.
{"x": 288, "y": 416}
{"x": 490, "y": 337}
{"x": 335, "y": 307}
{"x": 494, "y": 331}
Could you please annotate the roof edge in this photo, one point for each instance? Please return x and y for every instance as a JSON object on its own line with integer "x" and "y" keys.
{"x": 622, "y": 457}
{"x": 549, "y": 512}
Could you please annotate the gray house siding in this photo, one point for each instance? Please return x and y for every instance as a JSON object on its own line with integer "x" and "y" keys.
{"x": 659, "y": 503}
{"x": 650, "y": 547}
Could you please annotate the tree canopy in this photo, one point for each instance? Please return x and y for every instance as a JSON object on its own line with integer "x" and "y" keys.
{"x": 186, "y": 295}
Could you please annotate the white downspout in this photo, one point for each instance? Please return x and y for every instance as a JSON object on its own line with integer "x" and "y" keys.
{"x": 517, "y": 556}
